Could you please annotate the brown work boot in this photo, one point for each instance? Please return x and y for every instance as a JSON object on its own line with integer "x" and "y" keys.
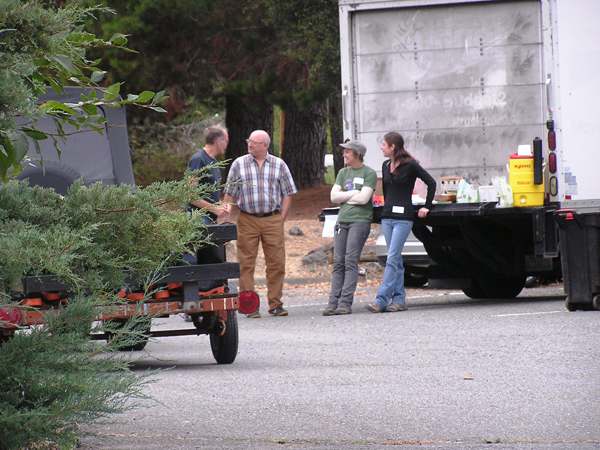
{"x": 374, "y": 308}
{"x": 329, "y": 311}
{"x": 395, "y": 307}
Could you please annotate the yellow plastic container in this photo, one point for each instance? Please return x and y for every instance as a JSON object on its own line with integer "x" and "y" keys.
{"x": 525, "y": 192}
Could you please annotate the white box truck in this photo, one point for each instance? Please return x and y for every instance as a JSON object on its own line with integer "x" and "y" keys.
{"x": 466, "y": 83}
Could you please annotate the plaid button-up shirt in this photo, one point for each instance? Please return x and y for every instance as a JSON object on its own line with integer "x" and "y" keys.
{"x": 259, "y": 190}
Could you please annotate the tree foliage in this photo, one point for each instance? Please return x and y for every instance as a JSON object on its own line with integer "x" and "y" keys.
{"x": 54, "y": 379}
{"x": 95, "y": 232}
{"x": 255, "y": 53}
{"x": 42, "y": 47}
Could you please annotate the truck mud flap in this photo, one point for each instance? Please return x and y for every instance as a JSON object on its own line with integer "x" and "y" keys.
{"x": 579, "y": 249}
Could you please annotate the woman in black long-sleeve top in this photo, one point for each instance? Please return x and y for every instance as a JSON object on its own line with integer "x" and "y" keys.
{"x": 399, "y": 175}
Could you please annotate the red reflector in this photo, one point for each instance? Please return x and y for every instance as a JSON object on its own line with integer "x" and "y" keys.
{"x": 569, "y": 216}
{"x": 552, "y": 140}
{"x": 552, "y": 162}
{"x": 249, "y": 302}
{"x": 9, "y": 317}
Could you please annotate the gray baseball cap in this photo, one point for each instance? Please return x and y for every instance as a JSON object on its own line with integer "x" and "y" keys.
{"x": 357, "y": 146}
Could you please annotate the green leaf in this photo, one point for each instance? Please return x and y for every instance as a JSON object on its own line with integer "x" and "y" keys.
{"x": 59, "y": 129}
{"x": 52, "y": 106}
{"x": 36, "y": 145}
{"x": 118, "y": 39}
{"x": 34, "y": 134}
{"x": 5, "y": 159}
{"x": 158, "y": 109}
{"x": 91, "y": 120}
{"x": 90, "y": 109}
{"x": 132, "y": 97}
{"x": 159, "y": 97}
{"x": 97, "y": 75}
{"x": 145, "y": 97}
{"x": 20, "y": 145}
{"x": 112, "y": 92}
{"x": 65, "y": 62}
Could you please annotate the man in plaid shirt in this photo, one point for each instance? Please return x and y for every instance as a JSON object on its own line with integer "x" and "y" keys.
{"x": 261, "y": 185}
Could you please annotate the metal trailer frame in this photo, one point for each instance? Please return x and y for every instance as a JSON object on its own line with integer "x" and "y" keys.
{"x": 213, "y": 311}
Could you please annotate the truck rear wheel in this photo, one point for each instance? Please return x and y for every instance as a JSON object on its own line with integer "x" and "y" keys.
{"x": 414, "y": 280}
{"x": 489, "y": 288}
{"x": 225, "y": 347}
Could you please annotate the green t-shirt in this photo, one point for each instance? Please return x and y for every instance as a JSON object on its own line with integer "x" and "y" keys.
{"x": 354, "y": 179}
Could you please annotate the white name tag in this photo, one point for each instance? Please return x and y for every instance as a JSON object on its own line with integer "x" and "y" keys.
{"x": 398, "y": 209}
{"x": 358, "y": 180}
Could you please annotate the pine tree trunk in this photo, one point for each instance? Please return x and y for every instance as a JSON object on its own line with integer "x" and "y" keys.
{"x": 305, "y": 143}
{"x": 243, "y": 116}
{"x": 336, "y": 130}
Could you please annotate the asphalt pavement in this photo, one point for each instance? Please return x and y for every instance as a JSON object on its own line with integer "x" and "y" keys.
{"x": 449, "y": 373}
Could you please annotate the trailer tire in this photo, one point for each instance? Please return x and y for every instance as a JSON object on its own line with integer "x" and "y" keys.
{"x": 225, "y": 347}
{"x": 493, "y": 288}
{"x": 143, "y": 326}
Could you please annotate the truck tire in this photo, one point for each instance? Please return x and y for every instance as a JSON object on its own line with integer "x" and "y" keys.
{"x": 492, "y": 288}
{"x": 143, "y": 326}
{"x": 225, "y": 347}
{"x": 475, "y": 291}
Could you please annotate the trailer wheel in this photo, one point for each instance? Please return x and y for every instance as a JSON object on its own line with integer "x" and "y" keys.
{"x": 225, "y": 347}
{"x": 5, "y": 337}
{"x": 143, "y": 326}
{"x": 489, "y": 288}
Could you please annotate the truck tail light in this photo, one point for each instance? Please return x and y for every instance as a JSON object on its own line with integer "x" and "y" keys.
{"x": 551, "y": 135}
{"x": 249, "y": 302}
{"x": 552, "y": 140}
{"x": 552, "y": 162}
{"x": 10, "y": 317}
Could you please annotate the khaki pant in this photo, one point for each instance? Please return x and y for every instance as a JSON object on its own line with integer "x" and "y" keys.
{"x": 268, "y": 230}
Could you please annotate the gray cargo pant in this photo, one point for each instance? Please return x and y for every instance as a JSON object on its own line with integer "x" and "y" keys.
{"x": 348, "y": 242}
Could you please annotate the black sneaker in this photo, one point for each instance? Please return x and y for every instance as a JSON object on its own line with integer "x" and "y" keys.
{"x": 279, "y": 312}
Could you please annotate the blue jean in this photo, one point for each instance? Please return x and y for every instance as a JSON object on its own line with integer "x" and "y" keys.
{"x": 348, "y": 242}
{"x": 392, "y": 287}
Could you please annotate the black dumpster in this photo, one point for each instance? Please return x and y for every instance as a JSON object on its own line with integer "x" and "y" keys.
{"x": 579, "y": 235}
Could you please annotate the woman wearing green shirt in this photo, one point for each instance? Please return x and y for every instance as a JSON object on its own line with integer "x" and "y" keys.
{"x": 353, "y": 189}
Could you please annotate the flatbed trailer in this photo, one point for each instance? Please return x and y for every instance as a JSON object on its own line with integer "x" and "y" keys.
{"x": 213, "y": 311}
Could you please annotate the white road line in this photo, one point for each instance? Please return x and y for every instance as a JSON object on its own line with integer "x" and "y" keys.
{"x": 528, "y": 314}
